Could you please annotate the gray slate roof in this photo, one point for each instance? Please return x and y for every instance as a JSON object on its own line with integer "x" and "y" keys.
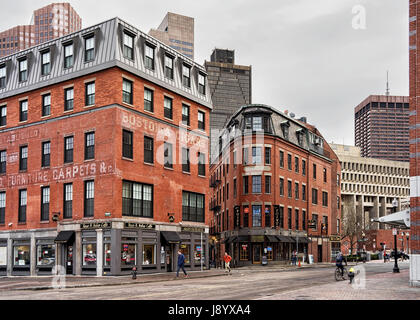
{"x": 108, "y": 53}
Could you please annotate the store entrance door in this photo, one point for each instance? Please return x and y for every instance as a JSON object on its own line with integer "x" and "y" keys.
{"x": 319, "y": 253}
{"x": 169, "y": 257}
{"x": 256, "y": 253}
{"x": 68, "y": 250}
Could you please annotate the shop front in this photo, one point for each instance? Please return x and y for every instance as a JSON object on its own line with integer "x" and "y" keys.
{"x": 21, "y": 259}
{"x": 3, "y": 258}
{"x": 45, "y": 256}
{"x": 64, "y": 244}
{"x": 249, "y": 250}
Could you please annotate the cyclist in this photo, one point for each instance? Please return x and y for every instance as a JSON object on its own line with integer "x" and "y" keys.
{"x": 339, "y": 262}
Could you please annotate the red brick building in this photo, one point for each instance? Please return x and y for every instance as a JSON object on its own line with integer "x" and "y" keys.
{"x": 274, "y": 189}
{"x": 103, "y": 155}
{"x": 414, "y": 44}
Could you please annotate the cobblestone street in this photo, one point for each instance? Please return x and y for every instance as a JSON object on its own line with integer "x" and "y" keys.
{"x": 254, "y": 283}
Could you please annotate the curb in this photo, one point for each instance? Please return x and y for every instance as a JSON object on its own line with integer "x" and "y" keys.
{"x": 108, "y": 284}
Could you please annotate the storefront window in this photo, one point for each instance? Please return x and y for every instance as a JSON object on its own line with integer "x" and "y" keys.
{"x": 89, "y": 254}
{"x": 3, "y": 256}
{"x": 128, "y": 254}
{"x": 149, "y": 254}
{"x": 46, "y": 255}
{"x": 21, "y": 256}
{"x": 244, "y": 250}
{"x": 198, "y": 252}
{"x": 107, "y": 254}
{"x": 185, "y": 248}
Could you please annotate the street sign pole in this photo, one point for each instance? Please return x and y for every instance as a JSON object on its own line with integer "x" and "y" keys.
{"x": 396, "y": 269}
{"x": 201, "y": 247}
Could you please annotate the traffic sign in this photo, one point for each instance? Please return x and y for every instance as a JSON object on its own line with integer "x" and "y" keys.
{"x": 394, "y": 231}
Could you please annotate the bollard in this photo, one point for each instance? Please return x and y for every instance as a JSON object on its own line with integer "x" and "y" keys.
{"x": 134, "y": 273}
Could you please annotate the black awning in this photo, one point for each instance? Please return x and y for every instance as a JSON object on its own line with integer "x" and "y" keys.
{"x": 170, "y": 236}
{"x": 283, "y": 238}
{"x": 272, "y": 239}
{"x": 65, "y": 237}
{"x": 243, "y": 239}
{"x": 303, "y": 240}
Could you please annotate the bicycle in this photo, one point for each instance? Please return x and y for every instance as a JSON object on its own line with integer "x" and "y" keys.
{"x": 338, "y": 276}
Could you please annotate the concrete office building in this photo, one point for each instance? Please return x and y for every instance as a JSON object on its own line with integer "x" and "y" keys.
{"x": 414, "y": 45}
{"x": 91, "y": 143}
{"x": 230, "y": 88}
{"x": 176, "y": 31}
{"x": 368, "y": 187}
{"x": 47, "y": 23}
{"x": 381, "y": 127}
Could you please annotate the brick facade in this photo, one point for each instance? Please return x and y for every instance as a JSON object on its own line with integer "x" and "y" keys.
{"x": 223, "y": 200}
{"x": 142, "y": 208}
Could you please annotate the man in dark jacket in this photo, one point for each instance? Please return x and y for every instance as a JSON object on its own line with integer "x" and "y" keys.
{"x": 181, "y": 262}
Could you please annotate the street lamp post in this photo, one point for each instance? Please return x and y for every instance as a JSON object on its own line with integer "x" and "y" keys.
{"x": 408, "y": 237}
{"x": 402, "y": 241}
{"x": 394, "y": 231}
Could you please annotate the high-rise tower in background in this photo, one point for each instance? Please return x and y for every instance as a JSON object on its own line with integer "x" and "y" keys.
{"x": 47, "y": 23}
{"x": 230, "y": 88}
{"x": 381, "y": 127}
{"x": 414, "y": 43}
{"x": 176, "y": 31}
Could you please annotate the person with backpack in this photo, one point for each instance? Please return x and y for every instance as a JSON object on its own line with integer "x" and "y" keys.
{"x": 339, "y": 262}
{"x": 227, "y": 258}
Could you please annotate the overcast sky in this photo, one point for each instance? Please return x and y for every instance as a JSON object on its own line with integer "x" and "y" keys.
{"x": 306, "y": 56}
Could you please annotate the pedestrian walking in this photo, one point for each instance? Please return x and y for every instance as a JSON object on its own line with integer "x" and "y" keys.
{"x": 294, "y": 256}
{"x": 227, "y": 258}
{"x": 181, "y": 262}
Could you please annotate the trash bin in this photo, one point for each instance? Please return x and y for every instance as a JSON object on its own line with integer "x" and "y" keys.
{"x": 368, "y": 256}
{"x": 380, "y": 255}
{"x": 264, "y": 260}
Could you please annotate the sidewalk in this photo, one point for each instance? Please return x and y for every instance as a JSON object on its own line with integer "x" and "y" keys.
{"x": 385, "y": 286}
{"x": 47, "y": 282}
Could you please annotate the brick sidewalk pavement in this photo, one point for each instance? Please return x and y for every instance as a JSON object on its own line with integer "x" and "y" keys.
{"x": 46, "y": 282}
{"x": 385, "y": 286}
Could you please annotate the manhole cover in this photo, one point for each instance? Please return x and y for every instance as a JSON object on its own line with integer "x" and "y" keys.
{"x": 303, "y": 298}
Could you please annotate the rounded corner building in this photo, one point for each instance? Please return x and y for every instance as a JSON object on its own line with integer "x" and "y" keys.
{"x": 275, "y": 188}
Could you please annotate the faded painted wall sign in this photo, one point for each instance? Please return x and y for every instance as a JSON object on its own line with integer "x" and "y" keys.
{"x": 164, "y": 132}
{"x": 22, "y": 135}
{"x": 57, "y": 174}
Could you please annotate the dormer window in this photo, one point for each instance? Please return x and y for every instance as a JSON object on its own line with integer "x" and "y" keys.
{"x": 45, "y": 63}
{"x": 68, "y": 55}
{"x": 201, "y": 84}
{"x": 258, "y": 123}
{"x": 169, "y": 67}
{"x": 90, "y": 48}
{"x": 2, "y": 76}
{"x": 186, "y": 76}
{"x": 149, "y": 57}
{"x": 128, "y": 46}
{"x": 285, "y": 129}
{"x": 299, "y": 135}
{"x": 23, "y": 70}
